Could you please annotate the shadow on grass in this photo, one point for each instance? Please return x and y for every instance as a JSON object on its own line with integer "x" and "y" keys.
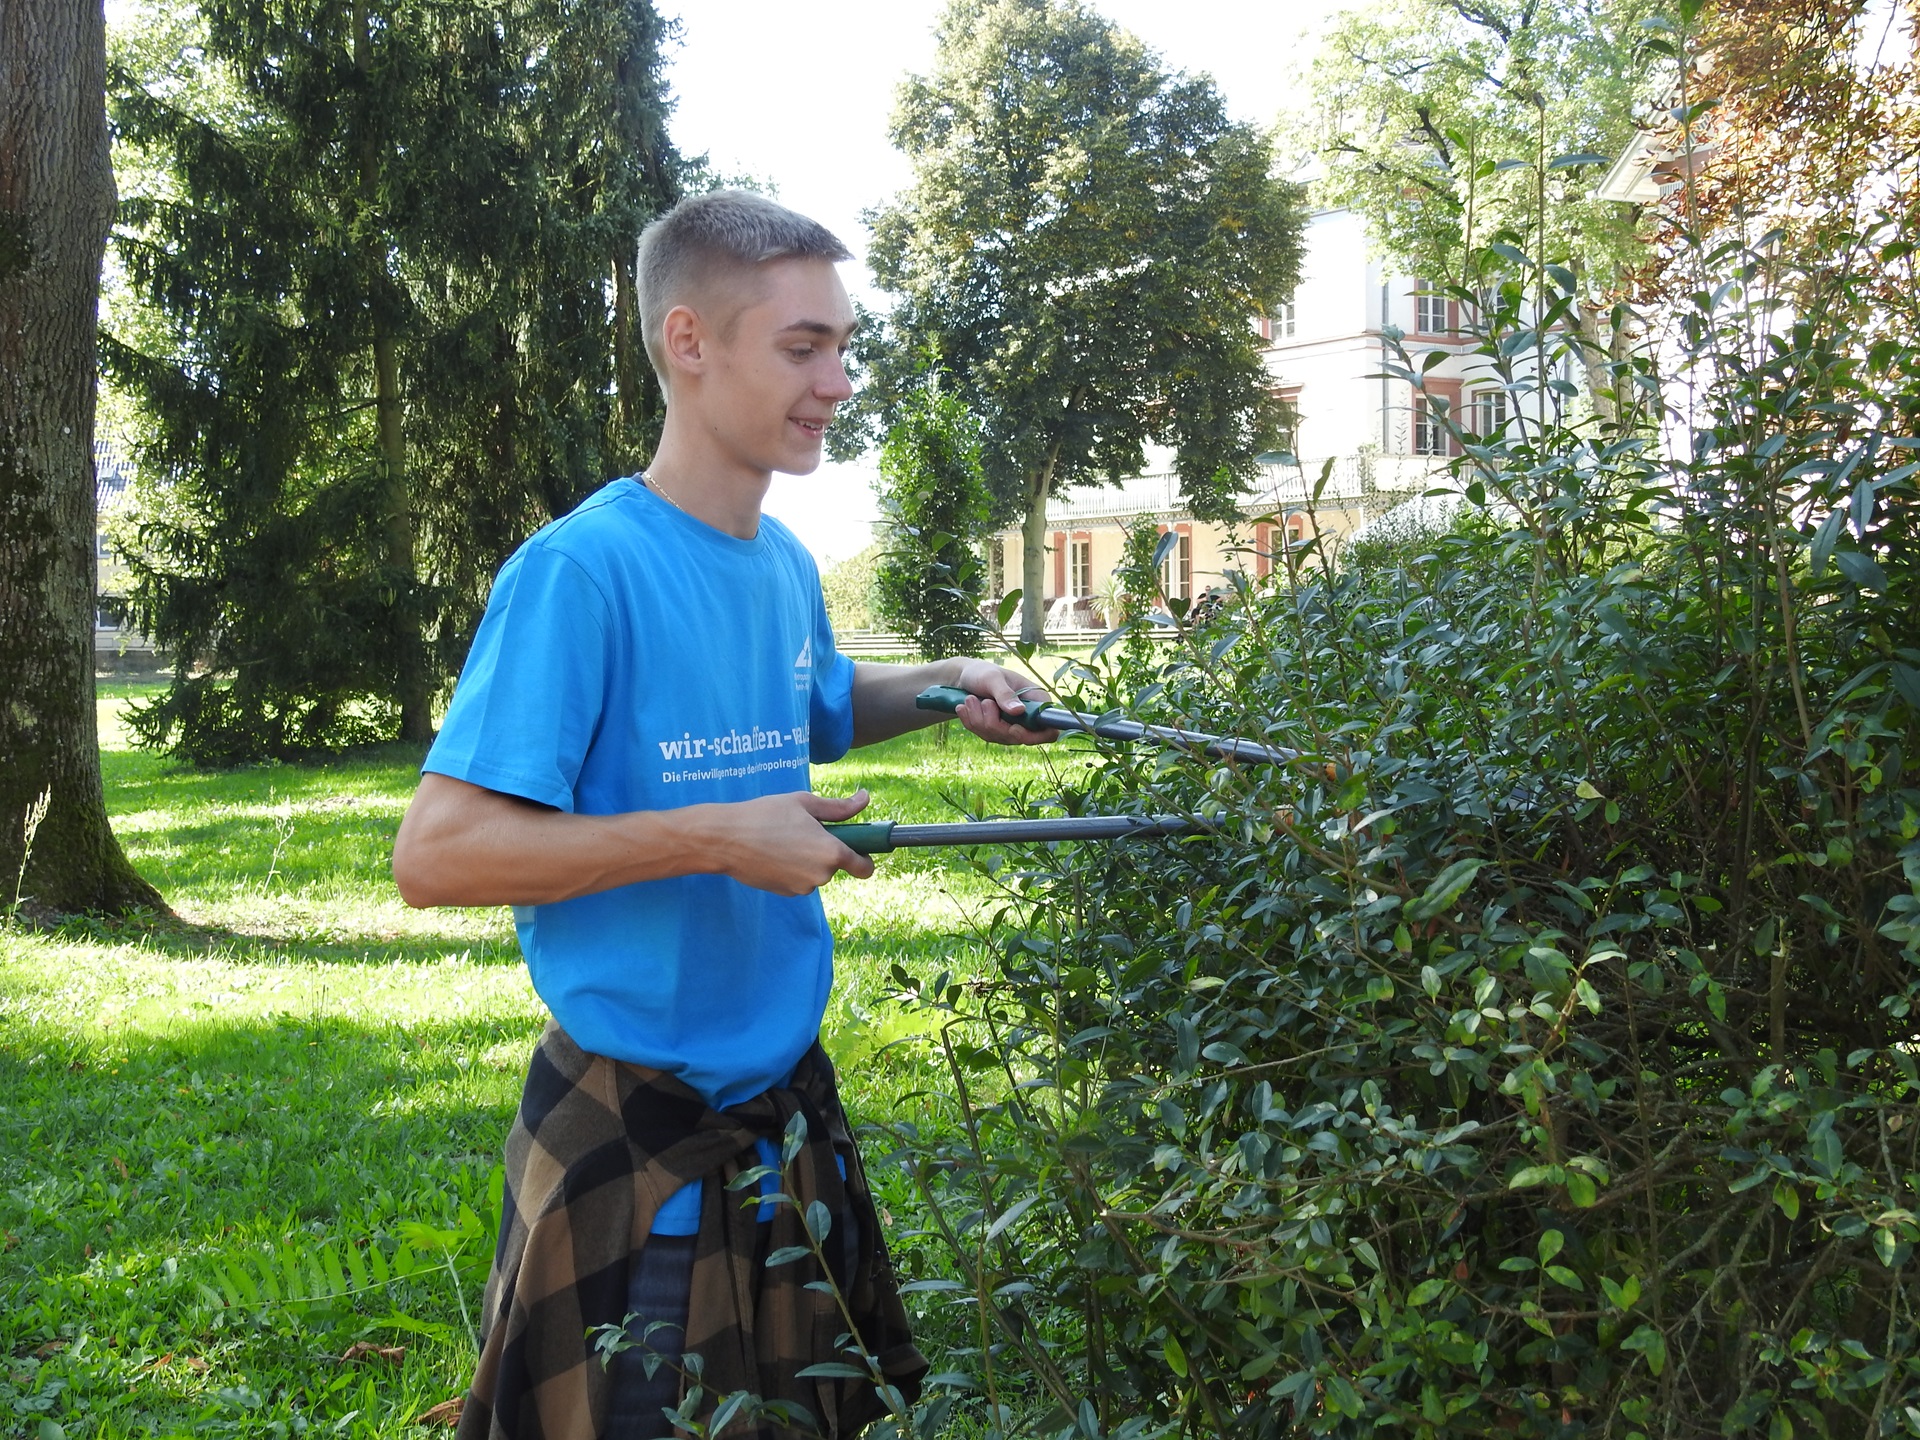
{"x": 393, "y": 768}
{"x": 287, "y": 942}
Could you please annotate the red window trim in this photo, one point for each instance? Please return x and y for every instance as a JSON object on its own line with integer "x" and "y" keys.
{"x": 1448, "y": 390}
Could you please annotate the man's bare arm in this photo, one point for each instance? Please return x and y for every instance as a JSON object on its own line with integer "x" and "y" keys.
{"x": 461, "y": 844}
{"x": 883, "y": 700}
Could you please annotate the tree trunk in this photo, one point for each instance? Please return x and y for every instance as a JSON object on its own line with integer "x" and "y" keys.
{"x": 1033, "y": 545}
{"x": 415, "y": 689}
{"x": 1596, "y": 351}
{"x": 1033, "y": 562}
{"x": 627, "y": 345}
{"x": 56, "y": 205}
{"x": 1595, "y": 355}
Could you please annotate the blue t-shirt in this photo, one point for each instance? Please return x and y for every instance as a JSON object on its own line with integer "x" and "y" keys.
{"x": 633, "y": 658}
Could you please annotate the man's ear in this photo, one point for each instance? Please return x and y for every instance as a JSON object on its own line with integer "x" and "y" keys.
{"x": 685, "y": 339}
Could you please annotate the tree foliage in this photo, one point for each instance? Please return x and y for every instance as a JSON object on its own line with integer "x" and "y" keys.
{"x": 848, "y": 588}
{"x": 1448, "y": 124}
{"x": 934, "y": 511}
{"x": 1537, "y": 1055}
{"x": 1799, "y": 119}
{"x": 1082, "y": 252}
{"x": 384, "y": 328}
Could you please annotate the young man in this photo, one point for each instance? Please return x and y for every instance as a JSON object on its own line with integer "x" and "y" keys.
{"x": 626, "y": 763}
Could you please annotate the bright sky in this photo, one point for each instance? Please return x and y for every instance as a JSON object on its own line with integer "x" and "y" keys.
{"x": 799, "y": 96}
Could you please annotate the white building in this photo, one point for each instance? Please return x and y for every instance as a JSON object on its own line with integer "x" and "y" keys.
{"x": 1327, "y": 352}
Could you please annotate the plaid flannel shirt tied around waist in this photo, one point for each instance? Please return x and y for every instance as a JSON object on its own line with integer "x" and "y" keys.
{"x": 596, "y": 1149}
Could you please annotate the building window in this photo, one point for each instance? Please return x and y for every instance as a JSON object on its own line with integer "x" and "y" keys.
{"x": 1176, "y": 571}
{"x": 1429, "y": 431}
{"x": 1285, "y": 320}
{"x": 996, "y": 567}
{"x": 1280, "y": 324}
{"x": 1263, "y": 551}
{"x": 1490, "y": 413}
{"x": 1289, "y": 396}
{"x": 1080, "y": 565}
{"x": 1296, "y": 529}
{"x": 1433, "y": 313}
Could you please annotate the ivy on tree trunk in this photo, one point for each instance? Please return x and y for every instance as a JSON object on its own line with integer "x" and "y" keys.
{"x": 56, "y": 202}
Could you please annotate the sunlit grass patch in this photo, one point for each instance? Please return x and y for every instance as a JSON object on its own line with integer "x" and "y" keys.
{"x": 297, "y": 1062}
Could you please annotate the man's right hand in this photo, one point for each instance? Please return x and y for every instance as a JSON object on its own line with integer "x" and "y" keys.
{"x": 461, "y": 844}
{"x": 776, "y": 843}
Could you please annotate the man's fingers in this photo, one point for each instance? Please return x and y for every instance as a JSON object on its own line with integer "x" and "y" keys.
{"x": 980, "y": 716}
{"x": 835, "y": 807}
{"x": 996, "y": 712}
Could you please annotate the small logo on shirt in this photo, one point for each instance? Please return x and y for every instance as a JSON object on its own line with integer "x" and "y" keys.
{"x": 803, "y": 665}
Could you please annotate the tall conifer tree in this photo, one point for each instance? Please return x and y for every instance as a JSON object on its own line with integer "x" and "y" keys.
{"x": 386, "y": 268}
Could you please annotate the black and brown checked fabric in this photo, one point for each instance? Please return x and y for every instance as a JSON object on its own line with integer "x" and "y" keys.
{"x": 597, "y": 1147}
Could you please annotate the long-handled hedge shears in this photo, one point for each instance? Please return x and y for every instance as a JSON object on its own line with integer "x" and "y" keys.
{"x": 1039, "y": 715}
{"x": 877, "y": 837}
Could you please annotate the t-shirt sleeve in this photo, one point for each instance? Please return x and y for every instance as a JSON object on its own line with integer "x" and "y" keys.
{"x": 530, "y": 696}
{"x": 831, "y": 704}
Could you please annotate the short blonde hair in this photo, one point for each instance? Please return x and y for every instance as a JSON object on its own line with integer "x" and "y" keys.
{"x": 705, "y": 235}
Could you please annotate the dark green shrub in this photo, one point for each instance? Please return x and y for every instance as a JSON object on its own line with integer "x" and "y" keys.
{"x": 1538, "y": 1055}
{"x": 933, "y": 510}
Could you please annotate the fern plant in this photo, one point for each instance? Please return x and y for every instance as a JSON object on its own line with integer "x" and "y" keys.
{"x": 310, "y": 1278}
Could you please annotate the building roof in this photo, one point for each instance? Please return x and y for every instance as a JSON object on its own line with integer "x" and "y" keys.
{"x": 1629, "y": 180}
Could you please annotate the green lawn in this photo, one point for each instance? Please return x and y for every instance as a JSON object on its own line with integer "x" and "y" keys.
{"x": 219, "y": 1131}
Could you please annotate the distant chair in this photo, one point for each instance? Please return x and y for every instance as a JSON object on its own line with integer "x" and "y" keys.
{"x": 1069, "y": 612}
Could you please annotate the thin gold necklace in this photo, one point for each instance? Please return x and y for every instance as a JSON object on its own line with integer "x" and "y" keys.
{"x": 654, "y": 485}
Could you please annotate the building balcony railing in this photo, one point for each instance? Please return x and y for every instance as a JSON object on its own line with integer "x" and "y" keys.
{"x": 1279, "y": 488}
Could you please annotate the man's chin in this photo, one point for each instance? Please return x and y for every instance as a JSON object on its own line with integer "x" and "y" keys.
{"x": 798, "y": 465}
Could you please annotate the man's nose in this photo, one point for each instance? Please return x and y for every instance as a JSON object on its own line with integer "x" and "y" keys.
{"x": 835, "y": 384}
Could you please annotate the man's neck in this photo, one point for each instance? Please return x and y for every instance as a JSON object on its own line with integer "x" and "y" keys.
{"x": 705, "y": 486}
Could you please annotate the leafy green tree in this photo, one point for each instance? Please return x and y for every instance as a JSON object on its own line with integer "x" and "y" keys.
{"x": 935, "y": 510}
{"x": 56, "y": 201}
{"x": 383, "y": 255}
{"x": 1082, "y": 251}
{"x": 1451, "y": 123}
{"x": 849, "y": 586}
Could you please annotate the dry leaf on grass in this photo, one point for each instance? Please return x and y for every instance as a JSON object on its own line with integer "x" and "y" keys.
{"x": 446, "y": 1413}
{"x": 367, "y": 1350}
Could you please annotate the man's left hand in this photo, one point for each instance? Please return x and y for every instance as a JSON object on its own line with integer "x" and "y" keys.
{"x": 996, "y": 693}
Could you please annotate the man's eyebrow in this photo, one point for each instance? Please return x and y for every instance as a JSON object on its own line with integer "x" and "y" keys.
{"x": 818, "y": 327}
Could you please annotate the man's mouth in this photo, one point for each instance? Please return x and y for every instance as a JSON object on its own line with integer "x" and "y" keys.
{"x": 811, "y": 427}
